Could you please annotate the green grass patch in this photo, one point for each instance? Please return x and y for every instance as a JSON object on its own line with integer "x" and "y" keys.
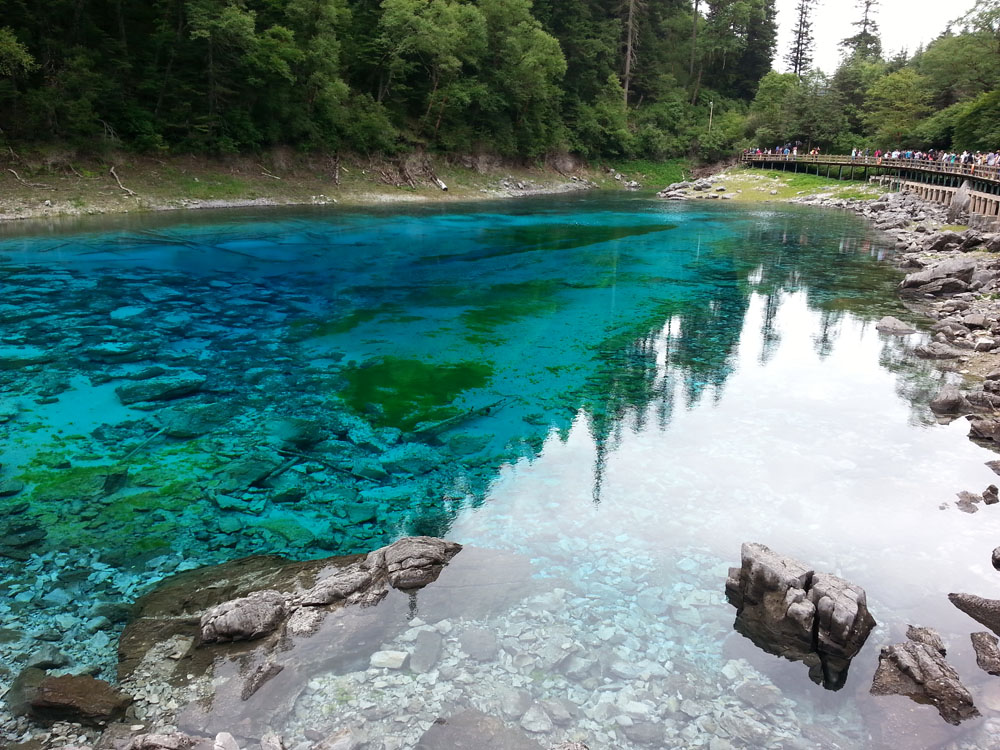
{"x": 954, "y": 228}
{"x": 655, "y": 174}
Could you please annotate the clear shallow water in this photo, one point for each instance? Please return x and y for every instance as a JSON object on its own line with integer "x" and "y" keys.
{"x": 620, "y": 391}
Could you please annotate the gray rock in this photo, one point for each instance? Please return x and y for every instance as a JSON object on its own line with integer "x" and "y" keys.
{"x": 960, "y": 268}
{"x": 790, "y": 610}
{"x": 414, "y": 562}
{"x": 474, "y": 730}
{"x": 536, "y": 721}
{"x": 937, "y": 350}
{"x": 47, "y": 657}
{"x": 968, "y": 502}
{"x": 984, "y": 611}
{"x": 480, "y": 644}
{"x": 919, "y": 670}
{"x": 894, "y": 326}
{"x": 948, "y": 401}
{"x": 996, "y": 558}
{"x": 960, "y": 202}
{"x": 389, "y": 659}
{"x": 250, "y": 617}
{"x": 164, "y": 388}
{"x": 426, "y": 651}
{"x": 991, "y": 495}
{"x": 987, "y": 652}
{"x": 226, "y": 741}
{"x": 646, "y": 733}
{"x": 514, "y": 703}
{"x": 757, "y": 694}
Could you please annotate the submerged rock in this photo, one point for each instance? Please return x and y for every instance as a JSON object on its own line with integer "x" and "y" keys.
{"x": 792, "y": 611}
{"x": 164, "y": 388}
{"x": 338, "y": 613}
{"x": 917, "y": 668}
{"x": 77, "y": 698}
{"x": 474, "y": 730}
{"x": 894, "y": 326}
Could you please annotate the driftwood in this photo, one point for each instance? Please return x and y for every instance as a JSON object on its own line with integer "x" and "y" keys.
{"x": 332, "y": 466}
{"x": 144, "y": 443}
{"x": 435, "y": 429}
{"x": 40, "y": 185}
{"x": 118, "y": 180}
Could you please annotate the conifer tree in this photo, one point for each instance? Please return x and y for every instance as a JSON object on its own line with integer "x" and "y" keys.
{"x": 799, "y": 57}
{"x": 866, "y": 44}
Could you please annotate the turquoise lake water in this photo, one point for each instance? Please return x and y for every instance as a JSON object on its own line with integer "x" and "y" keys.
{"x": 619, "y": 390}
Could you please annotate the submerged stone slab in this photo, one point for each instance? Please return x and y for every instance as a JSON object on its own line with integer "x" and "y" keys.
{"x": 474, "y": 730}
{"x": 341, "y": 611}
{"x": 16, "y": 357}
{"x": 164, "y": 388}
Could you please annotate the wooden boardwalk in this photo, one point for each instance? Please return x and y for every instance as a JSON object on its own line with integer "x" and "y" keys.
{"x": 985, "y": 179}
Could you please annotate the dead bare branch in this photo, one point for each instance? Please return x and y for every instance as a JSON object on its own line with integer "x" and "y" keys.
{"x": 118, "y": 180}
{"x": 38, "y": 185}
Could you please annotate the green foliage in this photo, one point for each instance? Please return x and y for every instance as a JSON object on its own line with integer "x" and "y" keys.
{"x": 978, "y": 126}
{"x": 896, "y": 103}
{"x": 14, "y": 56}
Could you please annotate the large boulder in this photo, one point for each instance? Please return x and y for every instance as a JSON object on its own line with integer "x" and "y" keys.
{"x": 960, "y": 268}
{"x": 788, "y": 609}
{"x": 244, "y": 619}
{"x": 960, "y": 202}
{"x": 917, "y": 668}
{"x": 949, "y": 401}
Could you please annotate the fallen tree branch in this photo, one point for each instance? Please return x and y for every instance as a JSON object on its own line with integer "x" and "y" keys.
{"x": 118, "y": 180}
{"x": 30, "y": 184}
{"x": 267, "y": 172}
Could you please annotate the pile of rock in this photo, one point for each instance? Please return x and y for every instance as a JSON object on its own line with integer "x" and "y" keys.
{"x": 705, "y": 188}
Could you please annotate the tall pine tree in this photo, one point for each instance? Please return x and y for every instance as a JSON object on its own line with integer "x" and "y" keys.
{"x": 799, "y": 57}
{"x": 866, "y": 44}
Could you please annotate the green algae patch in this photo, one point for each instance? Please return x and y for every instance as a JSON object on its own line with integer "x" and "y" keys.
{"x": 302, "y": 330}
{"x": 510, "y": 302}
{"x": 561, "y": 236}
{"x": 405, "y": 392}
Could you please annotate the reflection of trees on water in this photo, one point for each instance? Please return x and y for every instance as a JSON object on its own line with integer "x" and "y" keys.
{"x": 688, "y": 350}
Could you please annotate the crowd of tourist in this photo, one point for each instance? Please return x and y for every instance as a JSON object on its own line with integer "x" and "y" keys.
{"x": 876, "y": 156}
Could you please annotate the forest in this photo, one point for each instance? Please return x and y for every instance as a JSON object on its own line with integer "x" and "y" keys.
{"x": 653, "y": 79}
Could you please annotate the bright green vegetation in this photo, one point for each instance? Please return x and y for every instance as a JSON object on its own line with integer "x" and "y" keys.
{"x": 409, "y": 391}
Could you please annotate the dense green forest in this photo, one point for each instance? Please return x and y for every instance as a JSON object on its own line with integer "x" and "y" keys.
{"x": 599, "y": 78}
{"x": 946, "y": 96}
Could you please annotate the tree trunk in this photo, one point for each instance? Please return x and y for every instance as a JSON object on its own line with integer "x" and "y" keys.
{"x": 694, "y": 38}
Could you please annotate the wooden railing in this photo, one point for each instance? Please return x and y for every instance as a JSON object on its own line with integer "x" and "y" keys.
{"x": 978, "y": 172}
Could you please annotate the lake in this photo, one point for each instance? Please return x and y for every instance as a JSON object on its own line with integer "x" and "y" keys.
{"x": 614, "y": 390}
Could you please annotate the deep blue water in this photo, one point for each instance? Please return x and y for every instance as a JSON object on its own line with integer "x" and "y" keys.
{"x": 621, "y": 390}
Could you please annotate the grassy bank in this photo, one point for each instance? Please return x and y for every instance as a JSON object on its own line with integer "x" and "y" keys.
{"x": 756, "y": 185}
{"x": 34, "y": 185}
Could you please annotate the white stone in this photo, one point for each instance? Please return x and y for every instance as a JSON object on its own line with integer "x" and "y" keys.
{"x": 389, "y": 659}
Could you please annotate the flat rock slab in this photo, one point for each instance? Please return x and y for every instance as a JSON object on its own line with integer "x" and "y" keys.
{"x": 983, "y": 611}
{"x": 81, "y": 698}
{"x": 164, "y": 388}
{"x": 474, "y": 730}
